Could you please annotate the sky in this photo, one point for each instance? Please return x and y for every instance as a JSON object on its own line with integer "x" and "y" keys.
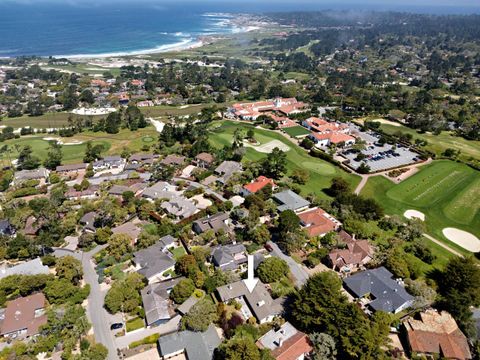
{"x": 296, "y": 4}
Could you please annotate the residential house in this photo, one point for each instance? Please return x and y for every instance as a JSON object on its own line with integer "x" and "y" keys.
{"x": 204, "y": 160}
{"x": 131, "y": 228}
{"x": 174, "y": 160}
{"x": 355, "y": 255}
{"x": 88, "y": 221}
{"x": 185, "y": 307}
{"x": 32, "y": 226}
{"x": 436, "y": 335}
{"x": 90, "y": 193}
{"x": 70, "y": 170}
{"x": 288, "y": 200}
{"x": 161, "y": 190}
{"x": 145, "y": 176}
{"x": 31, "y": 267}
{"x": 229, "y": 257}
{"x": 40, "y": 174}
{"x": 383, "y": 292}
{"x": 318, "y": 222}
{"x": 226, "y": 170}
{"x": 286, "y": 343}
{"x": 179, "y": 207}
{"x": 153, "y": 262}
{"x": 257, "y": 185}
{"x": 142, "y": 158}
{"x": 156, "y": 302}
{"x": 6, "y": 228}
{"x": 109, "y": 162}
{"x": 23, "y": 317}
{"x": 190, "y": 344}
{"x": 258, "y": 303}
{"x": 215, "y": 222}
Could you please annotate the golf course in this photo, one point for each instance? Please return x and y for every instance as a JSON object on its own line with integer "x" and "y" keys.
{"x": 321, "y": 172}
{"x": 445, "y": 192}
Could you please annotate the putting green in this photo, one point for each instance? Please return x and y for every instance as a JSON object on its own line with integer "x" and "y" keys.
{"x": 148, "y": 139}
{"x": 445, "y": 191}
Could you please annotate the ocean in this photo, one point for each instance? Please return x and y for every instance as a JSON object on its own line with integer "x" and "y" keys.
{"x": 102, "y": 27}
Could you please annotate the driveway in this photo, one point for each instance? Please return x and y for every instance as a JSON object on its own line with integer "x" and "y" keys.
{"x": 96, "y": 313}
{"x": 198, "y": 185}
{"x": 296, "y": 269}
{"x": 169, "y": 327}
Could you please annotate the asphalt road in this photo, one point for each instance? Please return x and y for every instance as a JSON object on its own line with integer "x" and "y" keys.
{"x": 296, "y": 269}
{"x": 96, "y": 313}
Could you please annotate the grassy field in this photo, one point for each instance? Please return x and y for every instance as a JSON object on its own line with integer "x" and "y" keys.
{"x": 321, "y": 172}
{"x": 46, "y": 121}
{"x": 295, "y": 131}
{"x": 113, "y": 144}
{"x": 445, "y": 191}
{"x": 439, "y": 143}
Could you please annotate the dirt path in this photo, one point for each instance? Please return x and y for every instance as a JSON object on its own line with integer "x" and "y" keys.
{"x": 446, "y": 247}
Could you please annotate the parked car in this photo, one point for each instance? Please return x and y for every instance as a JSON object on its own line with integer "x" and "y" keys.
{"x": 116, "y": 326}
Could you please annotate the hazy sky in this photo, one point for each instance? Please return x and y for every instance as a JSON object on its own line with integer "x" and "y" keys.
{"x": 311, "y": 3}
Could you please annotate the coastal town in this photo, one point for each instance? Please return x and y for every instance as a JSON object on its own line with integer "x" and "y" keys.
{"x": 207, "y": 209}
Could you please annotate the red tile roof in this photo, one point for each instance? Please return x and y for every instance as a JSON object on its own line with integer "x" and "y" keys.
{"x": 318, "y": 222}
{"x": 437, "y": 333}
{"x": 333, "y": 137}
{"x": 259, "y": 184}
{"x": 292, "y": 348}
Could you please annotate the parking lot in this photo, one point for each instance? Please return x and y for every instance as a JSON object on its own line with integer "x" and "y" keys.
{"x": 382, "y": 157}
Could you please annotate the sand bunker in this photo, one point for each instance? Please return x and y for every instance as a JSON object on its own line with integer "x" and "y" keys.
{"x": 60, "y": 142}
{"x": 268, "y": 147}
{"x": 462, "y": 238}
{"x": 388, "y": 122}
{"x": 93, "y": 111}
{"x": 157, "y": 124}
{"x": 411, "y": 214}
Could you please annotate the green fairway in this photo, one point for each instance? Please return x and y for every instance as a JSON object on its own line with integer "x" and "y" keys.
{"x": 439, "y": 143}
{"x": 445, "y": 191}
{"x": 71, "y": 153}
{"x": 46, "y": 121}
{"x": 113, "y": 144}
{"x": 296, "y": 131}
{"x": 321, "y": 172}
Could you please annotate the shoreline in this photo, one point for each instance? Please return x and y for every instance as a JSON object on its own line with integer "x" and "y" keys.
{"x": 237, "y": 23}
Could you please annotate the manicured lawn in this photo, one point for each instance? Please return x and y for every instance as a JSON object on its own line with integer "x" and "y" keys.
{"x": 178, "y": 252}
{"x": 445, "y": 191}
{"x": 320, "y": 171}
{"x": 46, "y": 121}
{"x": 134, "y": 324}
{"x": 296, "y": 131}
{"x": 71, "y": 153}
{"x": 439, "y": 143}
{"x": 113, "y": 143}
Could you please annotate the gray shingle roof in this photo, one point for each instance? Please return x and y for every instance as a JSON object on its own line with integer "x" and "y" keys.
{"x": 156, "y": 303}
{"x": 289, "y": 200}
{"x": 224, "y": 256}
{"x": 387, "y": 294}
{"x": 214, "y": 222}
{"x": 226, "y": 169}
{"x": 153, "y": 260}
{"x": 32, "y": 267}
{"x": 259, "y": 300}
{"x": 196, "y": 345}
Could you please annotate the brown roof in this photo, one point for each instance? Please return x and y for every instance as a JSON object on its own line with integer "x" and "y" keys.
{"x": 20, "y": 315}
{"x": 318, "y": 222}
{"x": 292, "y": 348}
{"x": 173, "y": 160}
{"x": 32, "y": 226}
{"x": 437, "y": 333}
{"x": 354, "y": 254}
{"x": 206, "y": 157}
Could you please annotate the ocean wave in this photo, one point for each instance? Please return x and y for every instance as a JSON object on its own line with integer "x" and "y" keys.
{"x": 181, "y": 45}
